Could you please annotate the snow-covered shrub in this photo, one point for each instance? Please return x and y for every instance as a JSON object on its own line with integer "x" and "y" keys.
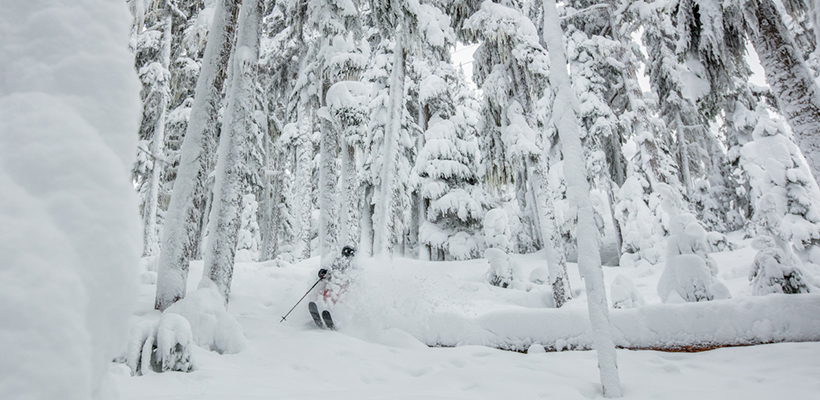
{"x": 773, "y": 272}
{"x": 497, "y": 237}
{"x": 212, "y": 327}
{"x": 624, "y": 294}
{"x": 502, "y": 267}
{"x": 640, "y": 226}
{"x": 160, "y": 345}
{"x": 717, "y": 242}
{"x": 497, "y": 230}
{"x": 247, "y": 245}
{"x": 690, "y": 272}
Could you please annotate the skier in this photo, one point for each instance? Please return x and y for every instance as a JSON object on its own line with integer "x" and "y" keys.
{"x": 335, "y": 282}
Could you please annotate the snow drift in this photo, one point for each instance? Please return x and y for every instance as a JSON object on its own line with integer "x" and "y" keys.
{"x": 69, "y": 241}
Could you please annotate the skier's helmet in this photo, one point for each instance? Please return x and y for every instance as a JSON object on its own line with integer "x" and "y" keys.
{"x": 348, "y": 251}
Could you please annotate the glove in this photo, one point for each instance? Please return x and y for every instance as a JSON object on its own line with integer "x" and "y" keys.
{"x": 322, "y": 273}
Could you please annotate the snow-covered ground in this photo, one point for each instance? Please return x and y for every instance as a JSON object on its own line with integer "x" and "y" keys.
{"x": 398, "y": 307}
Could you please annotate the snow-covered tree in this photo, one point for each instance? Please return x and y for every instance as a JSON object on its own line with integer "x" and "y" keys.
{"x": 182, "y": 227}
{"x": 447, "y": 167}
{"x": 599, "y": 57}
{"x": 565, "y": 120}
{"x": 449, "y": 202}
{"x": 152, "y": 49}
{"x": 511, "y": 68}
{"x": 347, "y": 102}
{"x": 376, "y": 148}
{"x": 235, "y": 140}
{"x": 792, "y": 82}
{"x": 786, "y": 198}
{"x": 337, "y": 54}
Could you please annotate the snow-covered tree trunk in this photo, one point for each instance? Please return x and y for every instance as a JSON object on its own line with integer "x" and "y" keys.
{"x": 366, "y": 223}
{"x": 181, "y": 231}
{"x": 554, "y": 245}
{"x": 420, "y": 202}
{"x": 791, "y": 80}
{"x": 384, "y": 200}
{"x": 237, "y": 128}
{"x": 304, "y": 184}
{"x": 349, "y": 196}
{"x": 328, "y": 209}
{"x": 683, "y": 150}
{"x": 589, "y": 258}
{"x": 150, "y": 241}
{"x": 268, "y": 205}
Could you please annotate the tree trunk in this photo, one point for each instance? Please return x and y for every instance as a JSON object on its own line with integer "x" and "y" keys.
{"x": 683, "y": 153}
{"x": 304, "y": 184}
{"x": 589, "y": 258}
{"x": 554, "y": 245}
{"x": 150, "y": 242}
{"x": 421, "y": 202}
{"x": 349, "y": 196}
{"x": 366, "y": 222}
{"x": 797, "y": 93}
{"x": 237, "y": 127}
{"x": 328, "y": 210}
{"x": 180, "y": 234}
{"x": 384, "y": 204}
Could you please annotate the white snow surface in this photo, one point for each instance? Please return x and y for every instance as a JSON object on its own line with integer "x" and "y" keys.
{"x": 393, "y": 313}
{"x": 69, "y": 226}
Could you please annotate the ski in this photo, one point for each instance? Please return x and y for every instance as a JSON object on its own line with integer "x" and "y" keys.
{"x": 328, "y": 320}
{"x": 314, "y": 312}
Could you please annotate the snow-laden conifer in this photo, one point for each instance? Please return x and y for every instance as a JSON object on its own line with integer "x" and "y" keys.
{"x": 785, "y": 196}
{"x": 511, "y": 69}
{"x": 449, "y": 205}
{"x": 152, "y": 49}
{"x": 447, "y": 167}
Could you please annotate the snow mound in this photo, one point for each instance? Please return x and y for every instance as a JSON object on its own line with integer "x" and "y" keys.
{"x": 212, "y": 327}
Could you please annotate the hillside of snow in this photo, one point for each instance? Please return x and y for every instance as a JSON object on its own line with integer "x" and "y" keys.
{"x": 398, "y": 310}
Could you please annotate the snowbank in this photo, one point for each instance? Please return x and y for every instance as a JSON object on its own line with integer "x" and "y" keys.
{"x": 692, "y": 326}
{"x": 213, "y": 328}
{"x": 69, "y": 242}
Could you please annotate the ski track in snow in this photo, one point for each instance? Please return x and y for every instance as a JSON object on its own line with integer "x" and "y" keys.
{"x": 372, "y": 355}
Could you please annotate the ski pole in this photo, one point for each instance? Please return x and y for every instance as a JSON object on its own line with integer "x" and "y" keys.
{"x": 300, "y": 300}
